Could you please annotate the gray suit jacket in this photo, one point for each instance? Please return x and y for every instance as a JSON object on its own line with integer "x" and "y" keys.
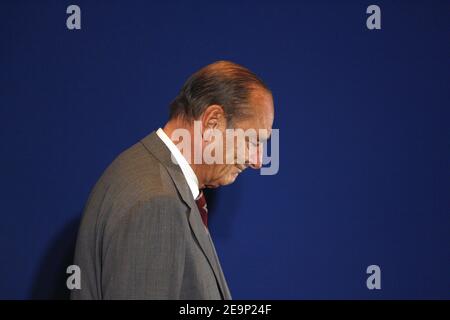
{"x": 142, "y": 237}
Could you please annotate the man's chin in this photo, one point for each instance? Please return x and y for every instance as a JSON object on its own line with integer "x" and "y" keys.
{"x": 211, "y": 186}
{"x": 230, "y": 180}
{"x": 224, "y": 182}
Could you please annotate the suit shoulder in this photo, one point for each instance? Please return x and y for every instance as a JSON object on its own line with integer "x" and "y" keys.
{"x": 136, "y": 175}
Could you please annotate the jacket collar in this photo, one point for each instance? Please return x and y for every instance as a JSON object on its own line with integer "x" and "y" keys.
{"x": 158, "y": 149}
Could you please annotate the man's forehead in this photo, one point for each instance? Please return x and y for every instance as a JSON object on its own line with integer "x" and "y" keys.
{"x": 265, "y": 124}
{"x": 261, "y": 124}
{"x": 264, "y": 109}
{"x": 262, "y": 115}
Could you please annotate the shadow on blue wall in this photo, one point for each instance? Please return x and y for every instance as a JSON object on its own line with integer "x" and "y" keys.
{"x": 50, "y": 279}
{"x": 223, "y": 205}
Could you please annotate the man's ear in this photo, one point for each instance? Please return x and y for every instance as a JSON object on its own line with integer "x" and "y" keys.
{"x": 214, "y": 118}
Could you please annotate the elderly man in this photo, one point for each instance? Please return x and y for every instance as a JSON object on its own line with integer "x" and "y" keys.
{"x": 144, "y": 230}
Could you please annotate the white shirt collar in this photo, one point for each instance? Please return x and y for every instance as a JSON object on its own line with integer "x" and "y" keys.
{"x": 188, "y": 173}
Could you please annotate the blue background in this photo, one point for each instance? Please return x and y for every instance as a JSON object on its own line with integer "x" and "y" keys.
{"x": 364, "y": 129}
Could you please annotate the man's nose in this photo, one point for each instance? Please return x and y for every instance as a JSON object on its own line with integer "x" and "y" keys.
{"x": 257, "y": 165}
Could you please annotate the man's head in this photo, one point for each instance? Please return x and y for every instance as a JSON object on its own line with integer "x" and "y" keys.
{"x": 224, "y": 96}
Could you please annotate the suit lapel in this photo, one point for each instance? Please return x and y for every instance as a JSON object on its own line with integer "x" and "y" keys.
{"x": 157, "y": 148}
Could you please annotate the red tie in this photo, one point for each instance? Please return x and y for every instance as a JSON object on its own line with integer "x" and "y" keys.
{"x": 201, "y": 204}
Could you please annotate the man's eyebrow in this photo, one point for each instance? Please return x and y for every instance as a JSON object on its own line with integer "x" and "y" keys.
{"x": 258, "y": 136}
{"x": 265, "y": 138}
